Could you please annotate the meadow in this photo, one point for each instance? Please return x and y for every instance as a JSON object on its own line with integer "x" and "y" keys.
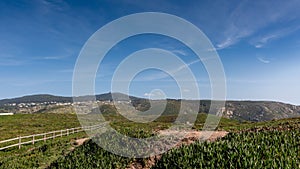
{"x": 27, "y": 124}
{"x": 271, "y": 144}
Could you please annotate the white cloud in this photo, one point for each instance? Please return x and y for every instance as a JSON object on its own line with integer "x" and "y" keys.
{"x": 186, "y": 65}
{"x": 261, "y": 41}
{"x": 162, "y": 75}
{"x": 52, "y": 57}
{"x": 243, "y": 22}
{"x": 258, "y": 45}
{"x": 153, "y": 94}
{"x": 180, "y": 52}
{"x": 228, "y": 42}
{"x": 263, "y": 60}
{"x": 148, "y": 94}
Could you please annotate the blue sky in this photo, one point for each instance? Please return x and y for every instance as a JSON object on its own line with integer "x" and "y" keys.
{"x": 257, "y": 41}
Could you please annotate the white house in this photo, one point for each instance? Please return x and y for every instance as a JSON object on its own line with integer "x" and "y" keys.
{"x": 6, "y": 114}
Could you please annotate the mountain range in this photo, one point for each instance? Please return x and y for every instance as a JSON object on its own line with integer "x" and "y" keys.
{"x": 240, "y": 110}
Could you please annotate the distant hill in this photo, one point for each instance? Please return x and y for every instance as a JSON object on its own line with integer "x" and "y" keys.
{"x": 256, "y": 110}
{"x": 240, "y": 110}
{"x": 40, "y": 98}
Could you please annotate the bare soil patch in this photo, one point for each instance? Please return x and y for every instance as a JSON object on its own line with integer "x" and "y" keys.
{"x": 190, "y": 137}
{"x": 79, "y": 142}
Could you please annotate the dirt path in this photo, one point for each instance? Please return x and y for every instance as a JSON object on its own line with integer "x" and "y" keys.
{"x": 190, "y": 137}
{"x": 79, "y": 142}
{"x": 193, "y": 135}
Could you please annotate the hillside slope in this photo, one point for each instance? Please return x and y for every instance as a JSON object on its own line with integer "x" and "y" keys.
{"x": 260, "y": 110}
{"x": 239, "y": 110}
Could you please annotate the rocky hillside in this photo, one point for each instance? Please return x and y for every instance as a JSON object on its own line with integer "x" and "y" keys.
{"x": 260, "y": 110}
{"x": 240, "y": 110}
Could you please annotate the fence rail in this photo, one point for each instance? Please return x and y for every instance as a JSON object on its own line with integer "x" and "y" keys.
{"x": 32, "y": 139}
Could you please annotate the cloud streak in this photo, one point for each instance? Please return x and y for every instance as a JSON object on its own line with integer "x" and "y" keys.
{"x": 261, "y": 41}
{"x": 10, "y": 61}
{"x": 243, "y": 22}
{"x": 163, "y": 75}
{"x": 263, "y": 60}
{"x": 180, "y": 52}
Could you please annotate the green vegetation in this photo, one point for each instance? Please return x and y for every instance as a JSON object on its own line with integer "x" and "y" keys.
{"x": 40, "y": 98}
{"x": 27, "y": 124}
{"x": 39, "y": 155}
{"x": 120, "y": 123}
{"x": 58, "y": 110}
{"x": 239, "y": 110}
{"x": 90, "y": 155}
{"x": 276, "y": 149}
{"x": 282, "y": 124}
{"x": 224, "y": 123}
{"x": 249, "y": 145}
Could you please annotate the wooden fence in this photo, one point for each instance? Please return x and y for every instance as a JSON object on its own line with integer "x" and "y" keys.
{"x": 32, "y": 139}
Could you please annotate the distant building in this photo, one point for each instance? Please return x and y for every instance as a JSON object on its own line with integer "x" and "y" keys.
{"x": 6, "y": 114}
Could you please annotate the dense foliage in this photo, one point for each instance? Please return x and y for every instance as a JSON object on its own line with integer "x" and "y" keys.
{"x": 91, "y": 156}
{"x": 276, "y": 149}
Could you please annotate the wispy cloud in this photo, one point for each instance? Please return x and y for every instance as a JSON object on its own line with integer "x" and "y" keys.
{"x": 263, "y": 60}
{"x": 52, "y": 57}
{"x": 10, "y": 61}
{"x": 180, "y": 52}
{"x": 261, "y": 41}
{"x": 162, "y": 75}
{"x": 59, "y": 55}
{"x": 49, "y": 6}
{"x": 243, "y": 22}
{"x": 227, "y": 42}
{"x": 186, "y": 65}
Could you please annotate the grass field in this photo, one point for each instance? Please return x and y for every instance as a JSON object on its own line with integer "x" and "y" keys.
{"x": 266, "y": 149}
{"x": 39, "y": 155}
{"x": 60, "y": 153}
{"x": 247, "y": 148}
{"x": 27, "y": 124}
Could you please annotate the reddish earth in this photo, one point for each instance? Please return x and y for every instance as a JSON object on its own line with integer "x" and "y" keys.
{"x": 190, "y": 137}
{"x": 77, "y": 143}
{"x": 80, "y": 141}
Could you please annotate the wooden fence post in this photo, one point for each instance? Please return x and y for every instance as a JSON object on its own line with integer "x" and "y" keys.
{"x": 33, "y": 139}
{"x": 19, "y": 142}
{"x": 67, "y": 132}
